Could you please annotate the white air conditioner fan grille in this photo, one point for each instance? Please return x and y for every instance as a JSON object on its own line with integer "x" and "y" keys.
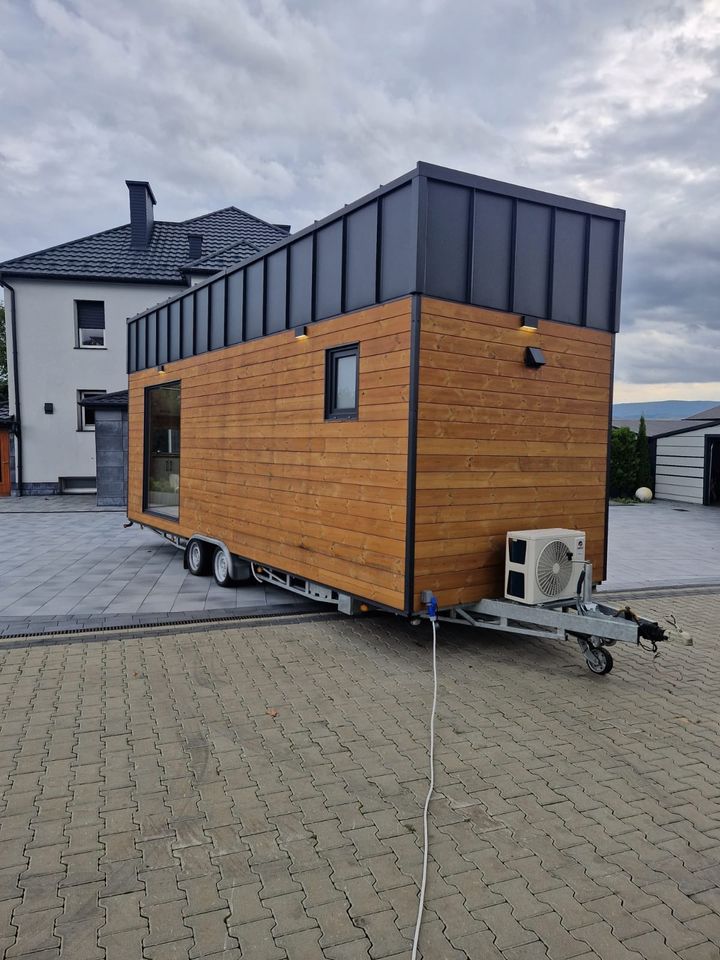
{"x": 554, "y": 568}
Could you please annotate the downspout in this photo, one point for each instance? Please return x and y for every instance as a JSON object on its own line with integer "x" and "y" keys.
{"x": 16, "y": 385}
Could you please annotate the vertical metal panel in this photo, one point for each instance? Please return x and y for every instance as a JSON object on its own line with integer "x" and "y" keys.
{"x": 397, "y": 249}
{"x": 162, "y": 335}
{"x": 492, "y": 251}
{"x": 174, "y": 345}
{"x": 217, "y": 314}
{"x": 202, "y": 320}
{"x": 151, "y": 358}
{"x": 141, "y": 342}
{"x": 532, "y": 258}
{"x": 276, "y": 291}
{"x": 187, "y": 324}
{"x": 568, "y": 267}
{"x": 301, "y": 283}
{"x": 254, "y": 296}
{"x": 328, "y": 271}
{"x": 361, "y": 257}
{"x": 619, "y": 244}
{"x": 448, "y": 215}
{"x": 235, "y": 284}
{"x": 601, "y": 274}
{"x": 132, "y": 346}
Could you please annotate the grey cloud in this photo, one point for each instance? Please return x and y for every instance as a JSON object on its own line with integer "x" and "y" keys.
{"x": 292, "y": 107}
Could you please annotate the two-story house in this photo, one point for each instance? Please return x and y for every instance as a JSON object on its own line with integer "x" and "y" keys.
{"x": 66, "y": 309}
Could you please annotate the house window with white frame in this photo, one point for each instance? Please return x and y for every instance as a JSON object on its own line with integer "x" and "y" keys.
{"x": 89, "y": 324}
{"x": 86, "y": 415}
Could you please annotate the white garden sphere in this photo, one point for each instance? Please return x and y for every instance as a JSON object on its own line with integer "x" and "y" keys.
{"x": 644, "y": 494}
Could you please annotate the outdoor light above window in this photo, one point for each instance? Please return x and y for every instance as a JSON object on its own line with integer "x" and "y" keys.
{"x": 301, "y": 333}
{"x": 529, "y": 323}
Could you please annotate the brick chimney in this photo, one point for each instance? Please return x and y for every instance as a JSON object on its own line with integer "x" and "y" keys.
{"x": 142, "y": 201}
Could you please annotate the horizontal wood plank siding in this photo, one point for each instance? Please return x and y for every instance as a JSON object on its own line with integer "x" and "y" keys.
{"x": 262, "y": 470}
{"x": 502, "y": 446}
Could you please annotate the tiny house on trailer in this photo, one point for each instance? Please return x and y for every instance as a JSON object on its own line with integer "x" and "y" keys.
{"x": 365, "y": 409}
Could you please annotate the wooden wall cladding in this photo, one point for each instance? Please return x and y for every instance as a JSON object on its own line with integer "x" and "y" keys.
{"x": 502, "y": 446}
{"x": 262, "y": 470}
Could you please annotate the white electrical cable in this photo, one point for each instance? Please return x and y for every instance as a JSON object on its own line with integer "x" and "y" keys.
{"x": 423, "y": 884}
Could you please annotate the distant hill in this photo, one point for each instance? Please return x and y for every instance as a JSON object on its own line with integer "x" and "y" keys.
{"x": 661, "y": 409}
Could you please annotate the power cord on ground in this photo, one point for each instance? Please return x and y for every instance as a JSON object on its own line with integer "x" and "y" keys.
{"x": 432, "y": 614}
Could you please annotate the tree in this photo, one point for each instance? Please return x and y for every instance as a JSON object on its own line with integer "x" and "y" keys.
{"x": 3, "y": 357}
{"x": 644, "y": 472}
{"x": 623, "y": 462}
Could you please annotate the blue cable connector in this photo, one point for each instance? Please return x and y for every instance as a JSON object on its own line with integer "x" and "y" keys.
{"x": 430, "y": 601}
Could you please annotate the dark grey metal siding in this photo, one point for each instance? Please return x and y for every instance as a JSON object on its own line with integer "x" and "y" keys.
{"x": 434, "y": 231}
{"x": 217, "y": 314}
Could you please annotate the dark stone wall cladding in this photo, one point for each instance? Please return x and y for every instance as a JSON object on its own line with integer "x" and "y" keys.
{"x": 111, "y": 445}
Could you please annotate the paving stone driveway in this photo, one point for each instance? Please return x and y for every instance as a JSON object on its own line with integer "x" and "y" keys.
{"x": 64, "y": 561}
{"x": 256, "y": 792}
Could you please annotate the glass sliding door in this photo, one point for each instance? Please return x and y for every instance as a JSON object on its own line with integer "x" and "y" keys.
{"x": 162, "y": 450}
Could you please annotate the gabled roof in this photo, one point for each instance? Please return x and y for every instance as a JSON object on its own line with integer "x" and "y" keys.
{"x": 236, "y": 252}
{"x": 689, "y": 427}
{"x": 108, "y": 255}
{"x": 712, "y": 413}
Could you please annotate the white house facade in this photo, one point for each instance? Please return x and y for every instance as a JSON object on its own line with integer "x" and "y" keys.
{"x": 66, "y": 310}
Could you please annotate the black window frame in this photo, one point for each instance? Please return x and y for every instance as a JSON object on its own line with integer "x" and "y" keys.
{"x": 332, "y": 355}
{"x": 79, "y": 345}
{"x": 146, "y": 450}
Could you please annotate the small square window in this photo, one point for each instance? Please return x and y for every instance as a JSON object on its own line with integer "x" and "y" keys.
{"x": 341, "y": 383}
{"x": 89, "y": 324}
{"x": 86, "y": 415}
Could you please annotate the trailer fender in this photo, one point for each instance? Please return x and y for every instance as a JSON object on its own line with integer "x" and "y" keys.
{"x": 238, "y": 566}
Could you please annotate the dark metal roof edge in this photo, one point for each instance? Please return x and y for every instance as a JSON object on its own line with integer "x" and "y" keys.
{"x": 117, "y": 399}
{"x": 702, "y": 425}
{"x": 88, "y": 278}
{"x": 287, "y": 240}
{"x": 435, "y": 172}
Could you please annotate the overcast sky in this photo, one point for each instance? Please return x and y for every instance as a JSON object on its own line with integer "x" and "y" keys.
{"x": 290, "y": 108}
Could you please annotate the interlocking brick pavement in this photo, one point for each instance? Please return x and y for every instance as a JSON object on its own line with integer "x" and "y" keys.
{"x": 256, "y": 792}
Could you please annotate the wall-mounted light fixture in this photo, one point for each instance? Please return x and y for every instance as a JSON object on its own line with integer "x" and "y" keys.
{"x": 534, "y": 357}
{"x": 301, "y": 333}
{"x": 529, "y": 323}
{"x": 160, "y": 368}
{"x": 49, "y": 408}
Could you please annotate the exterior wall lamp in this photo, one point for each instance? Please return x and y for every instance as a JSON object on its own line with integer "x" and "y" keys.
{"x": 301, "y": 333}
{"x": 534, "y": 357}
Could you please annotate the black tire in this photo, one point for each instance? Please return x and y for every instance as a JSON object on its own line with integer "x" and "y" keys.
{"x": 221, "y": 569}
{"x": 198, "y": 557}
{"x": 601, "y": 663}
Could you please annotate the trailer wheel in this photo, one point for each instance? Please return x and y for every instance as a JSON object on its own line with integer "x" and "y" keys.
{"x": 198, "y": 557}
{"x": 221, "y": 569}
{"x": 600, "y": 661}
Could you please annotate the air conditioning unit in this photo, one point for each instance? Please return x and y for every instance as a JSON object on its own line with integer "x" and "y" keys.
{"x": 542, "y": 565}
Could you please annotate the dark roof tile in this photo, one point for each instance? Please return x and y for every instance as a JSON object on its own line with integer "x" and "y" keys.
{"x": 108, "y": 255}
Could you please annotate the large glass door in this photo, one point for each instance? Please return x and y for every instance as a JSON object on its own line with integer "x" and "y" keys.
{"x": 162, "y": 450}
